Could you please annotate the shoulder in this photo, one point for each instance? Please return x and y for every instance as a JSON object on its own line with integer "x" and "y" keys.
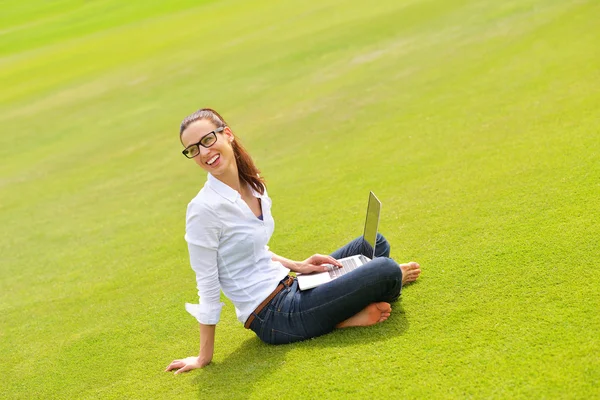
{"x": 203, "y": 208}
{"x": 265, "y": 194}
{"x": 202, "y": 202}
{"x": 202, "y": 225}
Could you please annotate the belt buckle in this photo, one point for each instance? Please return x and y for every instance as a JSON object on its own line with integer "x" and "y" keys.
{"x": 288, "y": 281}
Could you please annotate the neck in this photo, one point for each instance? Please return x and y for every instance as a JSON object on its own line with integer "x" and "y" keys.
{"x": 232, "y": 179}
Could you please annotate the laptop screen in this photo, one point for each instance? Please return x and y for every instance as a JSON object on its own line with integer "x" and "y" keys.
{"x": 372, "y": 222}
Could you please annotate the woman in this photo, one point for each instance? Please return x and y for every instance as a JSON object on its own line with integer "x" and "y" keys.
{"x": 228, "y": 226}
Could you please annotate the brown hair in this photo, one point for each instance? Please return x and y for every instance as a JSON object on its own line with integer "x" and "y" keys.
{"x": 247, "y": 171}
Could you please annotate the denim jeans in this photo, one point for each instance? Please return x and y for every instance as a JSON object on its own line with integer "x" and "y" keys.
{"x": 295, "y": 315}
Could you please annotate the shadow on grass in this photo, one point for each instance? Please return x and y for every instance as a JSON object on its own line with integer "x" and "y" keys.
{"x": 395, "y": 326}
{"x": 237, "y": 375}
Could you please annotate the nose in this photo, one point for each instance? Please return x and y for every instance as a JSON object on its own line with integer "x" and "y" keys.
{"x": 203, "y": 152}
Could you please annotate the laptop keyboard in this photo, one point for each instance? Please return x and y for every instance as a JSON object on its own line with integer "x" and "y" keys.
{"x": 348, "y": 265}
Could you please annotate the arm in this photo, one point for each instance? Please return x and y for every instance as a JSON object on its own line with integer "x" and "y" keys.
{"x": 207, "y": 346}
{"x": 202, "y": 235}
{"x": 311, "y": 264}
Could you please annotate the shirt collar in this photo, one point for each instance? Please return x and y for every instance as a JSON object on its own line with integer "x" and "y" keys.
{"x": 255, "y": 193}
{"x": 225, "y": 191}
{"x": 222, "y": 189}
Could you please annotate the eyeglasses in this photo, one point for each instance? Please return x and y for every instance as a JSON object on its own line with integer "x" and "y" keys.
{"x": 206, "y": 141}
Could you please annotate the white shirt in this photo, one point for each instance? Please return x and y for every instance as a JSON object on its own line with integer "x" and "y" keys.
{"x": 228, "y": 251}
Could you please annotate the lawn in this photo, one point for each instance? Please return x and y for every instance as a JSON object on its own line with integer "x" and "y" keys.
{"x": 475, "y": 122}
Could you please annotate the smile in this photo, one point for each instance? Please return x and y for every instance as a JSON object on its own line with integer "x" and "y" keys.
{"x": 212, "y": 160}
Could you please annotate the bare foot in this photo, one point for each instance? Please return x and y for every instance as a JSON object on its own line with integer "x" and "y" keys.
{"x": 370, "y": 315}
{"x": 410, "y": 272}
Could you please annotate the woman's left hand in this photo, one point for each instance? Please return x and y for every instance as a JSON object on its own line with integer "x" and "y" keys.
{"x": 315, "y": 264}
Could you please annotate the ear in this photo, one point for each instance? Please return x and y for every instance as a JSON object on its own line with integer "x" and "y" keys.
{"x": 228, "y": 134}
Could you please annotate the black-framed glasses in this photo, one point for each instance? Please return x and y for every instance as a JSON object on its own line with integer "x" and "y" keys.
{"x": 206, "y": 141}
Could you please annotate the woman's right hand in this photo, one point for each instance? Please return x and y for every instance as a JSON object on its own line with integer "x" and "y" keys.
{"x": 316, "y": 263}
{"x": 187, "y": 364}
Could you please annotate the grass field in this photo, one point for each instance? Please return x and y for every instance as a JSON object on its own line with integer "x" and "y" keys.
{"x": 475, "y": 122}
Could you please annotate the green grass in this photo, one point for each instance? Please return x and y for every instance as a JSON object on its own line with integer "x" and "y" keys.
{"x": 475, "y": 122}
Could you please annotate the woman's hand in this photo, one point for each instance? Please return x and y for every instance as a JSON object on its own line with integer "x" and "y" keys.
{"x": 315, "y": 264}
{"x": 187, "y": 364}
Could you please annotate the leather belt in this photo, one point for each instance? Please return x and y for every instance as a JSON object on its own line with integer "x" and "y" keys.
{"x": 285, "y": 283}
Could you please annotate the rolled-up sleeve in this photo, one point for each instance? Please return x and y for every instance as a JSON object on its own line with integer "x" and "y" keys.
{"x": 202, "y": 232}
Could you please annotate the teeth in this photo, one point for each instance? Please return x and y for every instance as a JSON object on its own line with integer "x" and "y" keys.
{"x": 212, "y": 160}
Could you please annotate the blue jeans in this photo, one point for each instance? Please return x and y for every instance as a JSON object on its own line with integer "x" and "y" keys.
{"x": 295, "y": 315}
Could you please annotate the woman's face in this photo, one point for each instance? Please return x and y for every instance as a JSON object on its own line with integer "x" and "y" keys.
{"x": 219, "y": 157}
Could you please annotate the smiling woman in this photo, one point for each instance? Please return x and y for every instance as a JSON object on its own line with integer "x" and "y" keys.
{"x": 228, "y": 227}
{"x": 196, "y": 126}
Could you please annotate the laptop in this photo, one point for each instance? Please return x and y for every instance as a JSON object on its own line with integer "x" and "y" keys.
{"x": 309, "y": 281}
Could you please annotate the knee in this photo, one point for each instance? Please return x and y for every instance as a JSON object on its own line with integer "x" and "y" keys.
{"x": 390, "y": 276}
{"x": 382, "y": 246}
{"x": 388, "y": 268}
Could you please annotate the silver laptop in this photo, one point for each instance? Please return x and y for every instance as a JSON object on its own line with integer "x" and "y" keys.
{"x": 309, "y": 281}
